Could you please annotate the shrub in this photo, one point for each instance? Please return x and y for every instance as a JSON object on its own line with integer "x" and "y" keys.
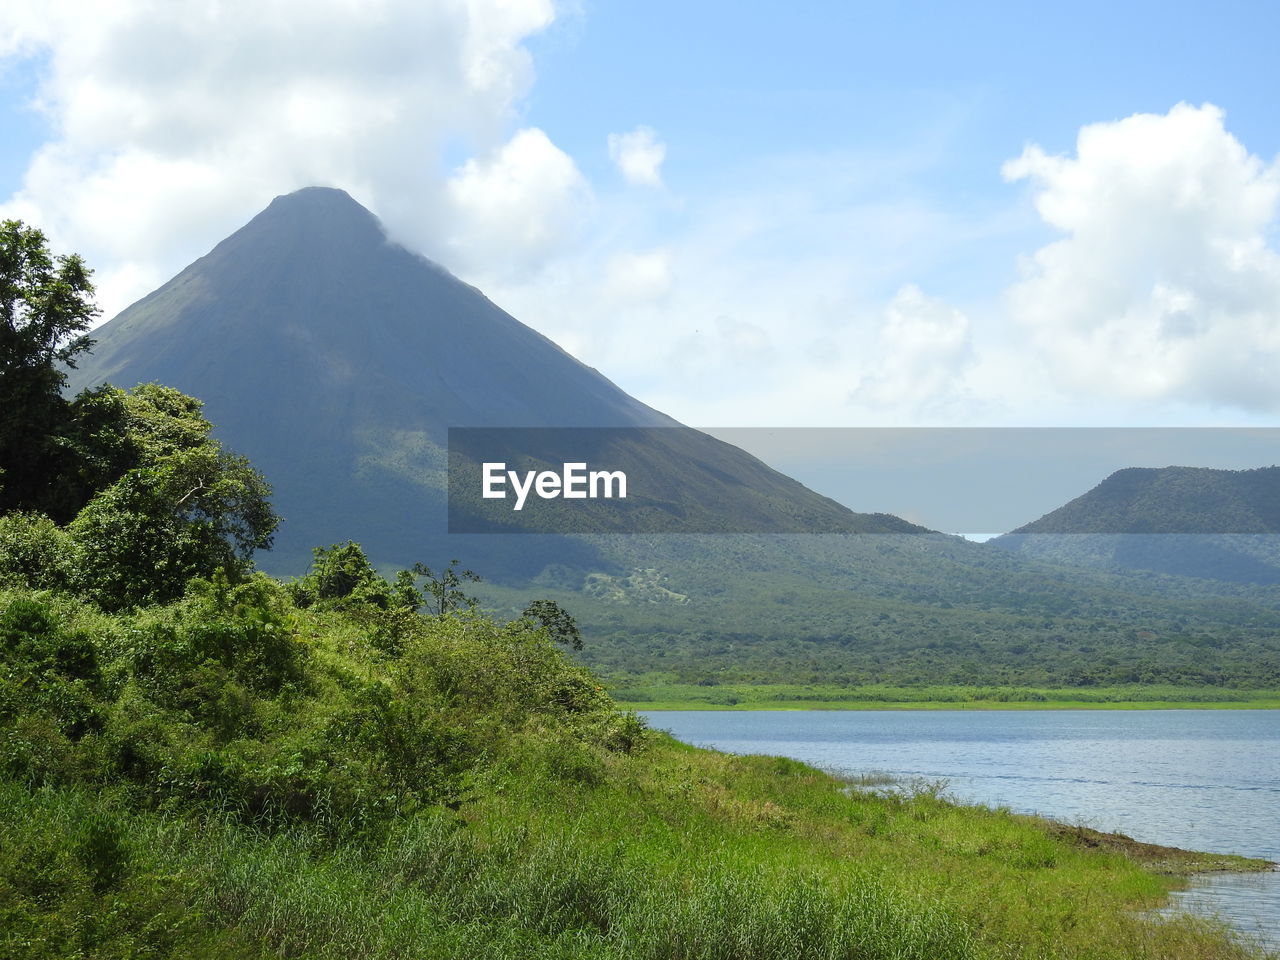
{"x": 30, "y": 638}
{"x": 341, "y": 577}
{"x": 34, "y": 552}
{"x": 49, "y": 684}
{"x": 250, "y": 629}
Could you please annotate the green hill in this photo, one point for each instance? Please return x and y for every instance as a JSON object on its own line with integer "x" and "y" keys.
{"x": 1186, "y": 521}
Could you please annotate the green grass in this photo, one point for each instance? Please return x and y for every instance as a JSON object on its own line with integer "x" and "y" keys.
{"x": 674, "y": 855}
{"x": 688, "y": 696}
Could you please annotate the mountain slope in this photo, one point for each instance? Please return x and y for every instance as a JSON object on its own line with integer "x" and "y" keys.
{"x": 336, "y": 361}
{"x": 1187, "y": 521}
{"x": 1172, "y": 500}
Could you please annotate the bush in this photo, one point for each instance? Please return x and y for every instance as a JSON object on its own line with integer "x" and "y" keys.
{"x": 250, "y": 629}
{"x": 513, "y": 669}
{"x": 341, "y": 577}
{"x": 31, "y": 640}
{"x": 50, "y": 687}
{"x": 34, "y": 552}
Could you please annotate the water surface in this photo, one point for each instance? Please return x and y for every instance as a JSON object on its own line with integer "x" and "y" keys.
{"x": 1199, "y": 779}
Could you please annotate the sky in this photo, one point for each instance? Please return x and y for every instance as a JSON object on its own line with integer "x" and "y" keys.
{"x": 745, "y": 214}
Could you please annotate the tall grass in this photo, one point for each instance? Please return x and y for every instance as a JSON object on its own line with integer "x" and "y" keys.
{"x": 651, "y": 871}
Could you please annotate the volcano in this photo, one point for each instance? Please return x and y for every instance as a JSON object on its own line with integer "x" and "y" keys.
{"x": 337, "y": 360}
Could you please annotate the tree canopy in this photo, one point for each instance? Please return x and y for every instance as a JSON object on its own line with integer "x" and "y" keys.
{"x": 46, "y": 309}
{"x": 124, "y": 495}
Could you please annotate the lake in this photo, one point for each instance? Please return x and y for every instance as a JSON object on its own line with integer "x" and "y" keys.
{"x": 1199, "y": 779}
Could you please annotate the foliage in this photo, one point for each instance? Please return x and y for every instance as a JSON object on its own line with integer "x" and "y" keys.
{"x": 154, "y": 502}
{"x": 50, "y": 690}
{"x": 443, "y": 590}
{"x": 556, "y": 621}
{"x": 672, "y": 854}
{"x": 341, "y": 576}
{"x": 218, "y": 699}
{"x": 111, "y": 431}
{"x": 34, "y": 552}
{"x": 233, "y": 774}
{"x": 32, "y": 640}
{"x": 905, "y": 611}
{"x": 249, "y": 629}
{"x": 45, "y": 309}
{"x": 188, "y": 515}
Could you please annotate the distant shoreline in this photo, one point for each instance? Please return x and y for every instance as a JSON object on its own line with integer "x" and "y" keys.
{"x": 687, "y": 696}
{"x": 863, "y": 705}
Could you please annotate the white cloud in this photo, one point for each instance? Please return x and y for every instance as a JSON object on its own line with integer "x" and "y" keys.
{"x": 176, "y": 122}
{"x": 638, "y": 156}
{"x": 764, "y": 302}
{"x": 770, "y": 297}
{"x": 639, "y": 277}
{"x": 517, "y": 206}
{"x": 923, "y": 351}
{"x": 1163, "y": 287}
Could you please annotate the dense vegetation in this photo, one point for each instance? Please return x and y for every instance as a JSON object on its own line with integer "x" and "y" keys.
{"x": 904, "y": 610}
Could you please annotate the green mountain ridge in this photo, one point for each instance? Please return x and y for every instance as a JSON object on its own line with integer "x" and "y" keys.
{"x": 1185, "y": 521}
{"x": 1172, "y": 500}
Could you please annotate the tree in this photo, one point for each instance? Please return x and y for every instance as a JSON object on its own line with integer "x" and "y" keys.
{"x": 165, "y": 502}
{"x": 443, "y": 588}
{"x": 108, "y": 432}
{"x": 186, "y": 515}
{"x": 46, "y": 308}
{"x": 561, "y": 627}
{"x": 342, "y": 576}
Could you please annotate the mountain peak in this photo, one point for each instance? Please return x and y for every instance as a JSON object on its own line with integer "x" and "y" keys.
{"x": 315, "y": 212}
{"x": 311, "y": 200}
{"x": 317, "y": 195}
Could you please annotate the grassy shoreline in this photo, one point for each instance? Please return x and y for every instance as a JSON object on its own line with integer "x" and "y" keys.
{"x": 1169, "y": 861}
{"x": 815, "y": 697}
{"x": 666, "y": 705}
{"x": 672, "y": 854}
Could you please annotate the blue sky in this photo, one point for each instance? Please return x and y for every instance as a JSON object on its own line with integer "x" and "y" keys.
{"x": 823, "y": 213}
{"x": 725, "y": 79}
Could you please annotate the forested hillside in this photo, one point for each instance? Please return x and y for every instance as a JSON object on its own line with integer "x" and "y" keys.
{"x": 1185, "y": 521}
